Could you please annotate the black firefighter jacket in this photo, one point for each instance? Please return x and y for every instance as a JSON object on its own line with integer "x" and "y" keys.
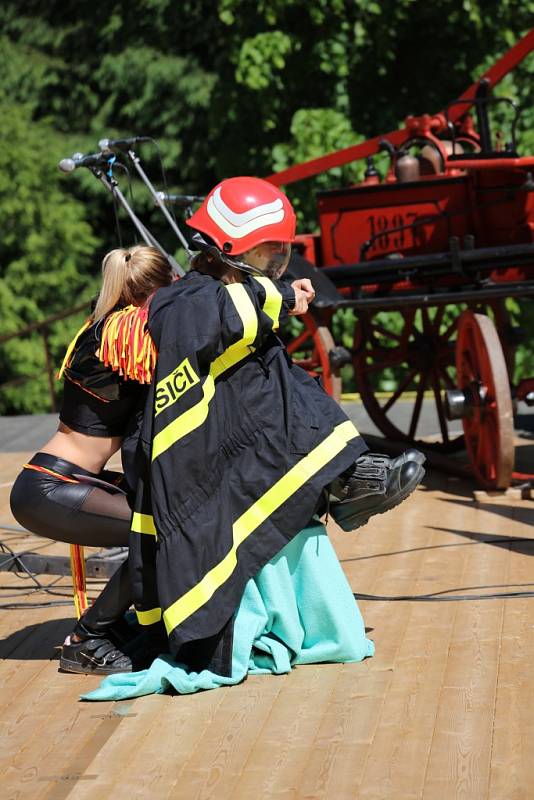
{"x": 236, "y": 446}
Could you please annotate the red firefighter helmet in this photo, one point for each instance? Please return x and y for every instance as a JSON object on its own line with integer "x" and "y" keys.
{"x": 241, "y": 213}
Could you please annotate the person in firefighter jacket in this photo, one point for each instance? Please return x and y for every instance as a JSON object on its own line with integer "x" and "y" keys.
{"x": 237, "y": 443}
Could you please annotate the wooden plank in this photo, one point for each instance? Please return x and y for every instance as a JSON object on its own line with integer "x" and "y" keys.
{"x": 276, "y": 766}
{"x": 57, "y": 730}
{"x": 184, "y": 719}
{"x": 336, "y": 767}
{"x": 149, "y": 748}
{"x": 397, "y": 759}
{"x": 41, "y": 704}
{"x": 336, "y": 758}
{"x": 213, "y": 769}
{"x": 512, "y": 765}
{"x": 460, "y": 755}
{"x": 35, "y": 648}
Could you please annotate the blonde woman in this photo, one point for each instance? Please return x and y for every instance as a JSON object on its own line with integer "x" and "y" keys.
{"x": 62, "y": 492}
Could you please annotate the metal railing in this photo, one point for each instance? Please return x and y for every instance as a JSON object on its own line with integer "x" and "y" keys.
{"x": 43, "y": 328}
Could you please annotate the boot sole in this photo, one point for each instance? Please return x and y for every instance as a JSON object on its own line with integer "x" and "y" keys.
{"x": 72, "y": 666}
{"x": 354, "y": 521}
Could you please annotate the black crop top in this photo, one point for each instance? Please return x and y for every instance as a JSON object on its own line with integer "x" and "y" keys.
{"x": 97, "y": 401}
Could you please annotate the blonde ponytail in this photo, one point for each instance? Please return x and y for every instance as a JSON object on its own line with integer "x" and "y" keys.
{"x": 130, "y": 276}
{"x": 114, "y": 270}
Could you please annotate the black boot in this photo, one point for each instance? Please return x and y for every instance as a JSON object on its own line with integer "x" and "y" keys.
{"x": 99, "y": 646}
{"x": 94, "y": 655}
{"x": 374, "y": 485}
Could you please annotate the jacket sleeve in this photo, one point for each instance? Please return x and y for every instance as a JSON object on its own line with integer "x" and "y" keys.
{"x": 253, "y": 309}
{"x": 273, "y": 301}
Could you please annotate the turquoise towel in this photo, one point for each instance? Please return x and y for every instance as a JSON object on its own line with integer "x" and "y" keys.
{"x": 298, "y": 609}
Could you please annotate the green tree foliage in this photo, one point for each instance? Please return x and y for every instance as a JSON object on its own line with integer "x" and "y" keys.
{"x": 46, "y": 252}
{"x": 226, "y": 87}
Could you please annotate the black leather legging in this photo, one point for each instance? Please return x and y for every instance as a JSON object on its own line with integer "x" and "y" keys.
{"x": 51, "y": 502}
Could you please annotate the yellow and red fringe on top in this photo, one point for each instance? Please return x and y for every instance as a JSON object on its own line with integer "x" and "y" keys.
{"x": 126, "y": 345}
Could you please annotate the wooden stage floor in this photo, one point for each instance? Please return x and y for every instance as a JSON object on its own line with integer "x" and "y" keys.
{"x": 444, "y": 710}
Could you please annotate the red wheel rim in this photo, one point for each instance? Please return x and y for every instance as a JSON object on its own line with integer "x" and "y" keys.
{"x": 482, "y": 372}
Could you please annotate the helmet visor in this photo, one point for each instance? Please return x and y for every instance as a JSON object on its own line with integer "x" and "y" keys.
{"x": 271, "y": 258}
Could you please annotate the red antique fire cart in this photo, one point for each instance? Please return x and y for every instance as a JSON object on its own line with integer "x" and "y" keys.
{"x": 451, "y": 227}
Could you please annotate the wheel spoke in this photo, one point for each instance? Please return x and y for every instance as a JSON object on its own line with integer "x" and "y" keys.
{"x": 438, "y": 318}
{"x": 408, "y": 327}
{"x": 394, "y": 397}
{"x": 381, "y": 364}
{"x": 447, "y": 333}
{"x": 380, "y": 352}
{"x": 387, "y": 334}
{"x": 469, "y": 369}
{"x": 439, "y": 406}
{"x": 447, "y": 378}
{"x": 308, "y": 363}
{"x": 425, "y": 317}
{"x": 294, "y": 345}
{"x": 418, "y": 403}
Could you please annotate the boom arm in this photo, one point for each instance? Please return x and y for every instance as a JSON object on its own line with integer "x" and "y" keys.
{"x": 316, "y": 165}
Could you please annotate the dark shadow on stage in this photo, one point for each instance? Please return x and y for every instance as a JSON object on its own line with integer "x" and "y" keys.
{"x": 519, "y": 512}
{"x": 36, "y": 642}
{"x": 516, "y": 543}
{"x": 436, "y": 481}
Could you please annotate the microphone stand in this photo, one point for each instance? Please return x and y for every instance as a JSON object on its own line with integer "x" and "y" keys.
{"x": 113, "y": 187}
{"x": 136, "y": 161}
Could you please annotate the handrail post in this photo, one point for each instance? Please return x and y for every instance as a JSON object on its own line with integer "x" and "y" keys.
{"x": 42, "y": 328}
{"x": 49, "y": 370}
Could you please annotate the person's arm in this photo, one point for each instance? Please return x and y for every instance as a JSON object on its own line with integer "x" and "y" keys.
{"x": 259, "y": 306}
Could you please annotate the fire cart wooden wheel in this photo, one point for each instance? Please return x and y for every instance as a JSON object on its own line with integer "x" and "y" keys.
{"x": 311, "y": 349}
{"x": 482, "y": 375}
{"x": 420, "y": 356}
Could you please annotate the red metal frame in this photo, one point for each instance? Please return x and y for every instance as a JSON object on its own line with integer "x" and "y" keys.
{"x": 314, "y": 166}
{"x": 484, "y": 201}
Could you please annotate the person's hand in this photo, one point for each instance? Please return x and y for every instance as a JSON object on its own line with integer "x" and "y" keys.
{"x": 304, "y": 294}
{"x": 306, "y": 286}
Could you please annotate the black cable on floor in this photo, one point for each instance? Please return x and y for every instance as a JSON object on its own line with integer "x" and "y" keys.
{"x": 435, "y": 598}
{"x": 48, "y": 604}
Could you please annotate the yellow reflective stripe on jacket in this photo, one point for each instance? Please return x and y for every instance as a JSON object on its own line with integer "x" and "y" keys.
{"x": 143, "y": 523}
{"x": 249, "y": 319}
{"x": 195, "y": 416}
{"x": 148, "y": 617}
{"x": 253, "y": 517}
{"x": 186, "y": 422}
{"x": 273, "y": 301}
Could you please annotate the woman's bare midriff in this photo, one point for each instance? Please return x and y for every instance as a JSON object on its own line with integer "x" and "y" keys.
{"x": 89, "y": 452}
